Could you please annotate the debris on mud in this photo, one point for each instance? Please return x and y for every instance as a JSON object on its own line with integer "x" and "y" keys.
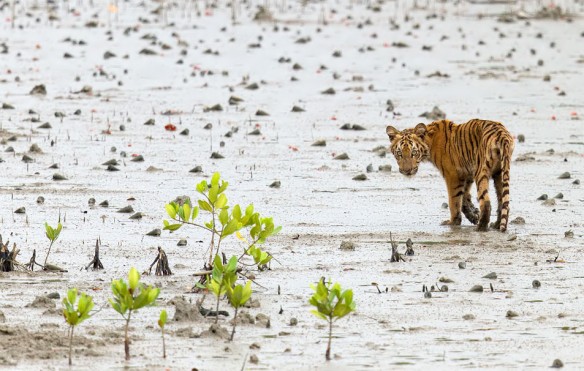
{"x": 511, "y": 314}
{"x": 435, "y": 114}
{"x": 347, "y": 246}
{"x": 395, "y": 255}
{"x": 95, "y": 263}
{"x": 518, "y": 221}
{"x": 126, "y": 210}
{"x": 565, "y": 175}
{"x": 476, "y": 288}
{"x": 162, "y": 266}
{"x": 156, "y": 232}
{"x": 42, "y": 302}
{"x": 557, "y": 363}
{"x": 409, "y": 247}
{"x": 39, "y": 90}
{"x": 216, "y": 331}
{"x": 491, "y": 276}
{"x": 342, "y": 156}
{"x": 185, "y": 311}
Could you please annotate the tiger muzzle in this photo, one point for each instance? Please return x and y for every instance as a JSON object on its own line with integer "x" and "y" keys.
{"x": 409, "y": 172}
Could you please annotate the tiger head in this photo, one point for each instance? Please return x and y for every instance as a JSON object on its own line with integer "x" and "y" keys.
{"x": 408, "y": 147}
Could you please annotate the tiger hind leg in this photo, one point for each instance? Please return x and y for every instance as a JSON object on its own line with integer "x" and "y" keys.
{"x": 498, "y": 181}
{"x": 482, "y": 181}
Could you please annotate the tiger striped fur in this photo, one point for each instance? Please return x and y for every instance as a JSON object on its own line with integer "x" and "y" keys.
{"x": 471, "y": 152}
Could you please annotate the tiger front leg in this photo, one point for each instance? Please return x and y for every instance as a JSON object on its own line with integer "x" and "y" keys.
{"x": 455, "y": 193}
{"x": 468, "y": 208}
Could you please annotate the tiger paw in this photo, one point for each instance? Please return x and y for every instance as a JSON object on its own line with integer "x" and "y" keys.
{"x": 473, "y": 217}
{"x": 495, "y": 225}
{"x": 446, "y": 222}
{"x": 482, "y": 228}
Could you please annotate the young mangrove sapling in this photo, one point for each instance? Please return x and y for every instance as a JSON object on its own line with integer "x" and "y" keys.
{"x": 75, "y": 316}
{"x": 332, "y": 303}
{"x": 130, "y": 297}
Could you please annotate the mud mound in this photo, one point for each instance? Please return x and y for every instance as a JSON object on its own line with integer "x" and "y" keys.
{"x": 185, "y": 311}
{"x": 22, "y": 344}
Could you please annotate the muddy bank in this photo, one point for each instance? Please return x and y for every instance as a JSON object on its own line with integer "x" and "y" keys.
{"x": 136, "y": 99}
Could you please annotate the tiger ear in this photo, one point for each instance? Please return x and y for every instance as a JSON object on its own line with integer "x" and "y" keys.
{"x": 420, "y": 130}
{"x": 391, "y": 132}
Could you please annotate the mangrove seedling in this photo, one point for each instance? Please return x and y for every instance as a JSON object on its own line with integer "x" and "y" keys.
{"x": 161, "y": 324}
{"x": 75, "y": 315}
{"x": 332, "y": 303}
{"x": 225, "y": 220}
{"x": 222, "y": 277}
{"x": 129, "y": 297}
{"x": 52, "y": 234}
{"x": 238, "y": 296}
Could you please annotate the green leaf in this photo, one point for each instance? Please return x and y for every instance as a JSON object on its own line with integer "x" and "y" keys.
{"x": 58, "y": 231}
{"x": 186, "y": 212}
{"x": 217, "y": 263}
{"x": 348, "y": 296}
{"x": 232, "y": 226}
{"x": 116, "y": 307}
{"x": 223, "y": 217}
{"x": 202, "y": 187}
{"x": 171, "y": 227}
{"x": 213, "y": 192}
{"x": 162, "y": 319}
{"x": 195, "y": 213}
{"x": 232, "y": 264}
{"x": 236, "y": 212}
{"x": 72, "y": 296}
{"x": 170, "y": 210}
{"x": 221, "y": 202}
{"x": 153, "y": 295}
{"x": 246, "y": 294}
{"x": 234, "y": 295}
{"x": 215, "y": 180}
{"x": 318, "y": 314}
{"x": 223, "y": 186}
{"x": 133, "y": 278}
{"x": 50, "y": 232}
{"x": 204, "y": 205}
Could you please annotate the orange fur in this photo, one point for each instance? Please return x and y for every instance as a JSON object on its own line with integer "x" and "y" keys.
{"x": 471, "y": 152}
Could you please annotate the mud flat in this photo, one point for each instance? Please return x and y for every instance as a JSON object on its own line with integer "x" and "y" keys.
{"x": 115, "y": 78}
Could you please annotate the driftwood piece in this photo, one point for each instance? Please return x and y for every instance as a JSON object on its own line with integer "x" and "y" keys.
{"x": 32, "y": 261}
{"x": 395, "y": 256}
{"x": 95, "y": 263}
{"x": 409, "y": 247}
{"x": 161, "y": 261}
{"x": 8, "y": 261}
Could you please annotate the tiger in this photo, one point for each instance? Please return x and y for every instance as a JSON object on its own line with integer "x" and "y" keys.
{"x": 464, "y": 154}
